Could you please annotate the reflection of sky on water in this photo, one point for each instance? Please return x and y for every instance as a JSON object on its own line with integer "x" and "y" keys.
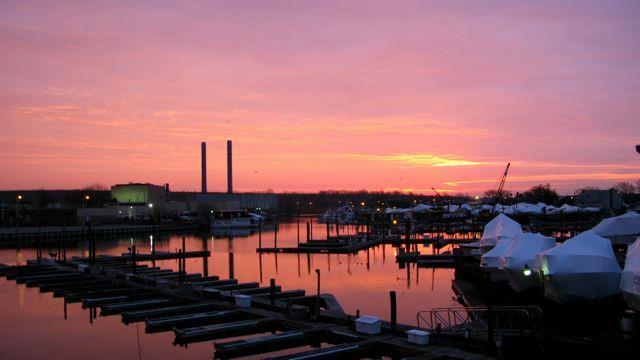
{"x": 360, "y": 281}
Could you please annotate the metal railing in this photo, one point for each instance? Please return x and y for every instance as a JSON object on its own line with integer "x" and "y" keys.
{"x": 504, "y": 320}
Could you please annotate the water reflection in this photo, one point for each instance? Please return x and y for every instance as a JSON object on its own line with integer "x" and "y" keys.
{"x": 359, "y": 281}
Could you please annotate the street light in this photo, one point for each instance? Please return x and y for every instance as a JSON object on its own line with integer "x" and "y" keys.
{"x": 18, "y": 198}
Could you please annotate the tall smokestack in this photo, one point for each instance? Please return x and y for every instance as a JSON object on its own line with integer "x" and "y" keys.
{"x": 229, "y": 168}
{"x": 203, "y": 148}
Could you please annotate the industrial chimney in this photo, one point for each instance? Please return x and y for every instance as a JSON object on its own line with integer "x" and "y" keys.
{"x": 229, "y": 168}
{"x": 203, "y": 147}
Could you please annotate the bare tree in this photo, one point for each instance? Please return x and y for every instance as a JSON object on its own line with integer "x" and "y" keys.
{"x": 95, "y": 186}
{"x": 625, "y": 187}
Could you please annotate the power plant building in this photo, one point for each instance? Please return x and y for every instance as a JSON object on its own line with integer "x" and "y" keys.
{"x": 139, "y": 193}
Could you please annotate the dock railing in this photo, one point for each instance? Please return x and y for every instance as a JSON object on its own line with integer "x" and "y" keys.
{"x": 504, "y": 320}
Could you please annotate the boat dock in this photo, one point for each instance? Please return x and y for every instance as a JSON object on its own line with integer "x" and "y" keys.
{"x": 200, "y": 308}
{"x": 10, "y": 237}
{"x": 345, "y": 244}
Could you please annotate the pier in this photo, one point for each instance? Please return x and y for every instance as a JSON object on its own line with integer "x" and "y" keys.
{"x": 200, "y": 308}
{"x": 10, "y": 237}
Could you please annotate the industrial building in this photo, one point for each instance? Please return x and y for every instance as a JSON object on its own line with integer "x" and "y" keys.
{"x": 608, "y": 200}
{"x": 139, "y": 193}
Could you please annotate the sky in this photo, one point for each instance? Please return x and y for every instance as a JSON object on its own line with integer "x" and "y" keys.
{"x": 316, "y": 95}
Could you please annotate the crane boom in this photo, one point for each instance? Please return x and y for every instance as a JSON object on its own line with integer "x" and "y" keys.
{"x": 502, "y": 180}
{"x": 437, "y": 193}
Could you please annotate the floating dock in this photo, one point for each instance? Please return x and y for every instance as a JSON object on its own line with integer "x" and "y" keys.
{"x": 197, "y": 308}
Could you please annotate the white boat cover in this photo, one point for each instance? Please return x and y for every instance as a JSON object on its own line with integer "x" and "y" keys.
{"x": 582, "y": 268}
{"x": 624, "y": 225}
{"x": 501, "y": 227}
{"x": 630, "y": 282}
{"x": 467, "y": 207}
{"x": 521, "y": 255}
{"x": 450, "y": 208}
{"x": 422, "y": 208}
{"x": 491, "y": 259}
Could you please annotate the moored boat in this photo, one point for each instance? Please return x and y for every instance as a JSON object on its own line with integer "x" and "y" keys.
{"x": 234, "y": 219}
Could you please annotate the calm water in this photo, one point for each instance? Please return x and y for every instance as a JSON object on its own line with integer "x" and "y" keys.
{"x": 33, "y": 324}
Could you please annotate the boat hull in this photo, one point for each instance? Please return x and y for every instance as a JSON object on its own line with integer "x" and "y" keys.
{"x": 574, "y": 287}
{"x": 520, "y": 282}
{"x": 237, "y": 223}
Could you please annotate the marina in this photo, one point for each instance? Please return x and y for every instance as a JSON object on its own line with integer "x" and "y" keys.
{"x": 195, "y": 295}
{"x": 319, "y": 180}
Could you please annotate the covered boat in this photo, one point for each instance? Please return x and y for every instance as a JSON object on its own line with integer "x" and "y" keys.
{"x": 582, "y": 268}
{"x": 630, "y": 282}
{"x": 621, "y": 229}
{"x": 501, "y": 227}
{"x": 490, "y": 261}
{"x": 518, "y": 260}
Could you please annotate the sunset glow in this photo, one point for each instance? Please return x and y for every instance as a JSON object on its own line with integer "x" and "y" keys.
{"x": 320, "y": 95}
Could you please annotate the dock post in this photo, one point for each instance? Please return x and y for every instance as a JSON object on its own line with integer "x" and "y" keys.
{"x": 490, "y": 343}
{"x": 275, "y": 236}
{"x": 394, "y": 309}
{"x": 298, "y": 227}
{"x": 231, "y": 266}
{"x": 318, "y": 297}
{"x": 64, "y": 244}
{"x": 337, "y": 228}
{"x": 328, "y": 235}
{"x": 260, "y": 234}
{"x": 205, "y": 258}
{"x": 272, "y": 291}
{"x": 38, "y": 246}
{"x": 407, "y": 230}
{"x": 184, "y": 260}
{"x": 133, "y": 259}
{"x": 92, "y": 234}
{"x": 311, "y": 227}
{"x": 308, "y": 232}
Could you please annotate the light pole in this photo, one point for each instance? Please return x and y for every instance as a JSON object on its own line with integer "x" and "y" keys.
{"x": 18, "y": 198}
{"x": 86, "y": 201}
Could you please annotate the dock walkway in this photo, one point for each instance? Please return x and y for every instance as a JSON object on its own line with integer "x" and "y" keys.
{"x": 56, "y": 234}
{"x": 197, "y": 309}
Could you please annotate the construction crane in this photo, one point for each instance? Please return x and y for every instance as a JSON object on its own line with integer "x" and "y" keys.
{"x": 437, "y": 193}
{"x": 501, "y": 181}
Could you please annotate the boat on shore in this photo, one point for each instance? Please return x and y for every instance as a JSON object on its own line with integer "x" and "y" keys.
{"x": 490, "y": 261}
{"x": 623, "y": 229}
{"x": 582, "y": 268}
{"x": 630, "y": 281}
{"x": 518, "y": 260}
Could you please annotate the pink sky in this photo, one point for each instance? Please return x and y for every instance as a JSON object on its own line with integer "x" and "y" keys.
{"x": 320, "y": 95}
